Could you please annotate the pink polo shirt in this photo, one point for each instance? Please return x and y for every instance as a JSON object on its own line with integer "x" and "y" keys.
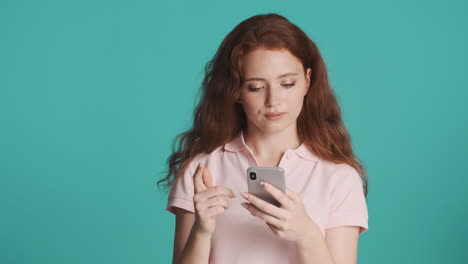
{"x": 331, "y": 193}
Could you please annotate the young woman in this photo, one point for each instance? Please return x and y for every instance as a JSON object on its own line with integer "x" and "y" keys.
{"x": 267, "y": 101}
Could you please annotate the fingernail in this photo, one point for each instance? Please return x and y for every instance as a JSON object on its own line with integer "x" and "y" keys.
{"x": 262, "y": 184}
{"x": 244, "y": 205}
{"x": 245, "y": 195}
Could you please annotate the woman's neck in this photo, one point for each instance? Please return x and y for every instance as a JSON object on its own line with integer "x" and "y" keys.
{"x": 271, "y": 146}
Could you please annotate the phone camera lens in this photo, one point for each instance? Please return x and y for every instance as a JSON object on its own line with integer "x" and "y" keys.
{"x": 253, "y": 176}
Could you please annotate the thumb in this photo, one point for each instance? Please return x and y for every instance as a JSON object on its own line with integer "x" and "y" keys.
{"x": 207, "y": 178}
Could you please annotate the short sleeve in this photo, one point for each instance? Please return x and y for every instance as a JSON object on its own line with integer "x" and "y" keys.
{"x": 348, "y": 204}
{"x": 182, "y": 189}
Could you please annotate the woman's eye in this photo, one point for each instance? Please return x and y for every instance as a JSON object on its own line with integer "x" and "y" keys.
{"x": 254, "y": 89}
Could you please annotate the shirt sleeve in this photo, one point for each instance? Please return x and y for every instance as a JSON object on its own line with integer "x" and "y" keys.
{"x": 348, "y": 204}
{"x": 182, "y": 189}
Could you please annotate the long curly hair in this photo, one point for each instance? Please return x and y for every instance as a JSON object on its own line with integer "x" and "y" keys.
{"x": 218, "y": 119}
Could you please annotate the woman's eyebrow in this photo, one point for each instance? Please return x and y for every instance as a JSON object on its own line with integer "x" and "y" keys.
{"x": 262, "y": 79}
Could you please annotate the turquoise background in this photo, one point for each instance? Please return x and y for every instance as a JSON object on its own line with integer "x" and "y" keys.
{"x": 92, "y": 94}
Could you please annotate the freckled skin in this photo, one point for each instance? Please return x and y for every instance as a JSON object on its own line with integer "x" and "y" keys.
{"x": 274, "y": 94}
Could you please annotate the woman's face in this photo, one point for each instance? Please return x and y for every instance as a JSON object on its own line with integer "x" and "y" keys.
{"x": 273, "y": 82}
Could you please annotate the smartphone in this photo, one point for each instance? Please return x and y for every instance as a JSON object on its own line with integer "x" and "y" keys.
{"x": 272, "y": 175}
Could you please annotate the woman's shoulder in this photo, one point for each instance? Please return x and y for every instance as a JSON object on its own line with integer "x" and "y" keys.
{"x": 336, "y": 171}
{"x": 204, "y": 157}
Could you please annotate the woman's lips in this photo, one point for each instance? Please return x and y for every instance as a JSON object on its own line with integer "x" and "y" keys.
{"x": 275, "y": 116}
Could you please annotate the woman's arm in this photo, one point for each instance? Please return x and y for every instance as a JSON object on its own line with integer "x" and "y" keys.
{"x": 338, "y": 247}
{"x": 190, "y": 246}
{"x": 197, "y": 249}
{"x": 342, "y": 243}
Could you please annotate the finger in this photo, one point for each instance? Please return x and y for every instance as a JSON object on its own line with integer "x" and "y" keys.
{"x": 263, "y": 216}
{"x": 213, "y": 191}
{"x": 214, "y": 201}
{"x": 273, "y": 228}
{"x": 278, "y": 195}
{"x": 215, "y": 210}
{"x": 292, "y": 195}
{"x": 266, "y": 206}
{"x": 220, "y": 190}
{"x": 197, "y": 179}
{"x": 207, "y": 179}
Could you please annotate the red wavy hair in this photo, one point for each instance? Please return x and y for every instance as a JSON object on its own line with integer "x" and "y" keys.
{"x": 218, "y": 119}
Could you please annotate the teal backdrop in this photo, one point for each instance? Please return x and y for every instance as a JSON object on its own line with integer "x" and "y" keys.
{"x": 92, "y": 93}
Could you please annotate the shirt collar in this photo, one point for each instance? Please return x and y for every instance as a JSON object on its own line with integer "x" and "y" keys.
{"x": 238, "y": 143}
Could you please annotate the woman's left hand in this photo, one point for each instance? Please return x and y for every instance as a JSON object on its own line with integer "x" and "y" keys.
{"x": 290, "y": 221}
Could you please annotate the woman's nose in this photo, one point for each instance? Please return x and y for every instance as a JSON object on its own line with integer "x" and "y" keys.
{"x": 273, "y": 97}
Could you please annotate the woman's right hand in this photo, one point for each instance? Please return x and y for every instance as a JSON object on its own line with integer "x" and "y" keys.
{"x": 208, "y": 201}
